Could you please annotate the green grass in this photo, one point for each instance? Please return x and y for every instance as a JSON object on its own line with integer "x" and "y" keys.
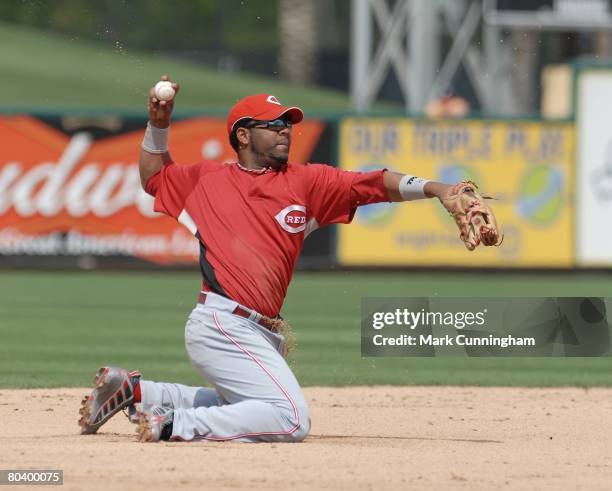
{"x": 46, "y": 71}
{"x": 56, "y": 328}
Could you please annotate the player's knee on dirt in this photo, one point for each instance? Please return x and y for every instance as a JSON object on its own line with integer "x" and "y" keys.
{"x": 303, "y": 425}
{"x": 303, "y": 429}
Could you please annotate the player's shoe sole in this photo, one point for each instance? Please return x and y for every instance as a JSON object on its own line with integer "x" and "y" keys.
{"x": 155, "y": 425}
{"x": 113, "y": 391}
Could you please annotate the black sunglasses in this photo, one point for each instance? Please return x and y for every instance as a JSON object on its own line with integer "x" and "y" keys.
{"x": 276, "y": 124}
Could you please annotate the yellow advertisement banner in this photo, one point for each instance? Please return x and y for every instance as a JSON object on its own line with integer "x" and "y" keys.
{"x": 527, "y": 166}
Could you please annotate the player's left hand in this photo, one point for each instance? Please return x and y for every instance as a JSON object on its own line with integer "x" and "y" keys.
{"x": 472, "y": 215}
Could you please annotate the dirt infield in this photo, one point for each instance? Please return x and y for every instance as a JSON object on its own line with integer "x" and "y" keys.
{"x": 365, "y": 438}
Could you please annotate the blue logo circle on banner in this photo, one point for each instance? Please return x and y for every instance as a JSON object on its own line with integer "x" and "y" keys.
{"x": 540, "y": 194}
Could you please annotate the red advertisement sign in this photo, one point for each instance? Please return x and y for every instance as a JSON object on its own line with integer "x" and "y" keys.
{"x": 72, "y": 195}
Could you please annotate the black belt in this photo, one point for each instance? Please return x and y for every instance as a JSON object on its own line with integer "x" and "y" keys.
{"x": 242, "y": 312}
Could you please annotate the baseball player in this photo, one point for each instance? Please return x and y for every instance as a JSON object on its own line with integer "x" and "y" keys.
{"x": 250, "y": 218}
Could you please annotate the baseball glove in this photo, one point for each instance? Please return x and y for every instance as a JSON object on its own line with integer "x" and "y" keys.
{"x": 473, "y": 216}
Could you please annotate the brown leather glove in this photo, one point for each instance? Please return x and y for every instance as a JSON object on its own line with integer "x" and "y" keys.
{"x": 473, "y": 216}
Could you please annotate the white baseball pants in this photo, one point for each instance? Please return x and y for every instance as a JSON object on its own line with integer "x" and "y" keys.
{"x": 255, "y": 396}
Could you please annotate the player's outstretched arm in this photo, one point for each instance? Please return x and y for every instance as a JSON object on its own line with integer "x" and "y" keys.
{"x": 474, "y": 218}
{"x": 407, "y": 188}
{"x": 154, "y": 152}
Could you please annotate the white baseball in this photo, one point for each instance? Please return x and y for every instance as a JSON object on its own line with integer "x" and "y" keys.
{"x": 164, "y": 91}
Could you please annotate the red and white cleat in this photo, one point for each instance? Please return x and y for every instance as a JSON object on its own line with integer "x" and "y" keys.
{"x": 155, "y": 424}
{"x": 114, "y": 391}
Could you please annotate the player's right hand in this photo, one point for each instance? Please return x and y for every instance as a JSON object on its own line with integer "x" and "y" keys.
{"x": 160, "y": 111}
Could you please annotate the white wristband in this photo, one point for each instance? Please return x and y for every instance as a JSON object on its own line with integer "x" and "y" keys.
{"x": 155, "y": 139}
{"x": 412, "y": 187}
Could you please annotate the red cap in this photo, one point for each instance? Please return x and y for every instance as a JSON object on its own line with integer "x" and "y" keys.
{"x": 264, "y": 107}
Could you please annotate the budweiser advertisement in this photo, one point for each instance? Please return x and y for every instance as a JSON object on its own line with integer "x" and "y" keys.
{"x": 70, "y": 189}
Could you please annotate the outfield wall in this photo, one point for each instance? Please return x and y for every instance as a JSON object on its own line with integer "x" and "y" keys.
{"x": 528, "y": 166}
{"x": 70, "y": 194}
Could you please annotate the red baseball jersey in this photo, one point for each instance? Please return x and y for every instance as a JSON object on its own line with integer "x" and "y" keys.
{"x": 252, "y": 225}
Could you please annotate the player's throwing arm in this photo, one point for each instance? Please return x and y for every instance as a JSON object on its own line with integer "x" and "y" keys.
{"x": 154, "y": 152}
